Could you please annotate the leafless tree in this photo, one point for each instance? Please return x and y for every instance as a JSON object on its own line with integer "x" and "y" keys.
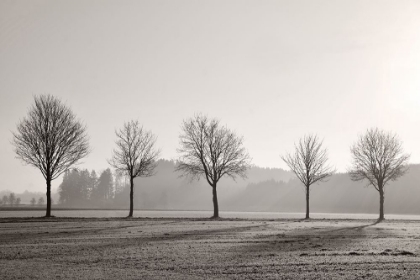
{"x": 309, "y": 163}
{"x": 136, "y": 155}
{"x": 41, "y": 201}
{"x": 5, "y": 200}
{"x": 212, "y": 151}
{"x": 51, "y": 139}
{"x": 12, "y": 199}
{"x": 378, "y": 157}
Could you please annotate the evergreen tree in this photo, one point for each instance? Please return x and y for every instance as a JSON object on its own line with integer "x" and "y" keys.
{"x": 64, "y": 189}
{"x": 83, "y": 187}
{"x": 120, "y": 183}
{"x": 80, "y": 188}
{"x": 93, "y": 182}
{"x": 121, "y": 189}
{"x": 104, "y": 191}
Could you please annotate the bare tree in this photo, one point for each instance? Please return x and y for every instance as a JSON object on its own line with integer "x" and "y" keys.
{"x": 33, "y": 201}
{"x": 309, "y": 163}
{"x": 212, "y": 151}
{"x": 135, "y": 155}
{"x": 51, "y": 139}
{"x": 12, "y": 199}
{"x": 5, "y": 200}
{"x": 378, "y": 157}
{"x": 41, "y": 201}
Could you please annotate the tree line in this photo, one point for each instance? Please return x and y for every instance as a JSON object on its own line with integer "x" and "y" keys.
{"x": 51, "y": 139}
{"x": 10, "y": 200}
{"x": 14, "y": 201}
{"x": 84, "y": 188}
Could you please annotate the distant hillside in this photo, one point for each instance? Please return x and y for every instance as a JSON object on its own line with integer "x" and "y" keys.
{"x": 167, "y": 190}
{"x": 338, "y": 195}
{"x": 265, "y": 189}
{"x": 277, "y": 190}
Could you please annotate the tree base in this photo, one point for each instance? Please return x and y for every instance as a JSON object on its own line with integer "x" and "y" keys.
{"x": 50, "y": 216}
{"x": 214, "y": 217}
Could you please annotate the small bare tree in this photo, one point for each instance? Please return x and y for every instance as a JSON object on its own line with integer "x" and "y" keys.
{"x": 5, "y": 200}
{"x": 41, "y": 201}
{"x": 51, "y": 139}
{"x": 309, "y": 163}
{"x": 12, "y": 199}
{"x": 135, "y": 155}
{"x": 212, "y": 151}
{"x": 378, "y": 157}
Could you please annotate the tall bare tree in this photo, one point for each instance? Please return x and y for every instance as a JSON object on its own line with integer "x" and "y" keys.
{"x": 309, "y": 163}
{"x": 212, "y": 151}
{"x": 378, "y": 157}
{"x": 135, "y": 155}
{"x": 51, "y": 139}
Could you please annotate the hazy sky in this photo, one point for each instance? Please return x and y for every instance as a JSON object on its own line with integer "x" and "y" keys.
{"x": 270, "y": 70}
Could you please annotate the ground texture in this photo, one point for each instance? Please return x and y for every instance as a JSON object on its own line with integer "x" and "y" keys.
{"x": 208, "y": 249}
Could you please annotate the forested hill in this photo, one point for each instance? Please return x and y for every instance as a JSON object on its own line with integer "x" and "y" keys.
{"x": 277, "y": 190}
{"x": 265, "y": 189}
{"x": 338, "y": 195}
{"x": 167, "y": 190}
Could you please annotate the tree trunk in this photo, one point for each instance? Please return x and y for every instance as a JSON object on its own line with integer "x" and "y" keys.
{"x": 307, "y": 202}
{"x": 48, "y": 214}
{"x": 381, "y": 204}
{"x": 131, "y": 197}
{"x": 215, "y": 203}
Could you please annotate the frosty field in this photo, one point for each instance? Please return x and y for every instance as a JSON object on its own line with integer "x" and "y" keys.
{"x": 140, "y": 248}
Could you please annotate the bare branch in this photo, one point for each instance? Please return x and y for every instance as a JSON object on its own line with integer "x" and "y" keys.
{"x": 309, "y": 161}
{"x": 210, "y": 150}
{"x": 50, "y": 138}
{"x": 135, "y": 154}
{"x": 378, "y": 157}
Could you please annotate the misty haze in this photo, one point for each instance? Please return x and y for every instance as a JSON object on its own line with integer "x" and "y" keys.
{"x": 209, "y": 139}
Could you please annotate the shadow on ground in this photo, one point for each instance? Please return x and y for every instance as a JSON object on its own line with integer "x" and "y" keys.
{"x": 310, "y": 239}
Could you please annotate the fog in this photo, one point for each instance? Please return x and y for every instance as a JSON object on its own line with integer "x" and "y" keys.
{"x": 272, "y": 72}
{"x": 265, "y": 189}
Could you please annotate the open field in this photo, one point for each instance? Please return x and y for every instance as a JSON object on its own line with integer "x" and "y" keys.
{"x": 208, "y": 249}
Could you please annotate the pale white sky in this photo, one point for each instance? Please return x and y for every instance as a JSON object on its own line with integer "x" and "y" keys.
{"x": 270, "y": 70}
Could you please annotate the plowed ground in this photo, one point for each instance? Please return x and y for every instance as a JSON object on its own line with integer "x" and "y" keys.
{"x": 40, "y": 248}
